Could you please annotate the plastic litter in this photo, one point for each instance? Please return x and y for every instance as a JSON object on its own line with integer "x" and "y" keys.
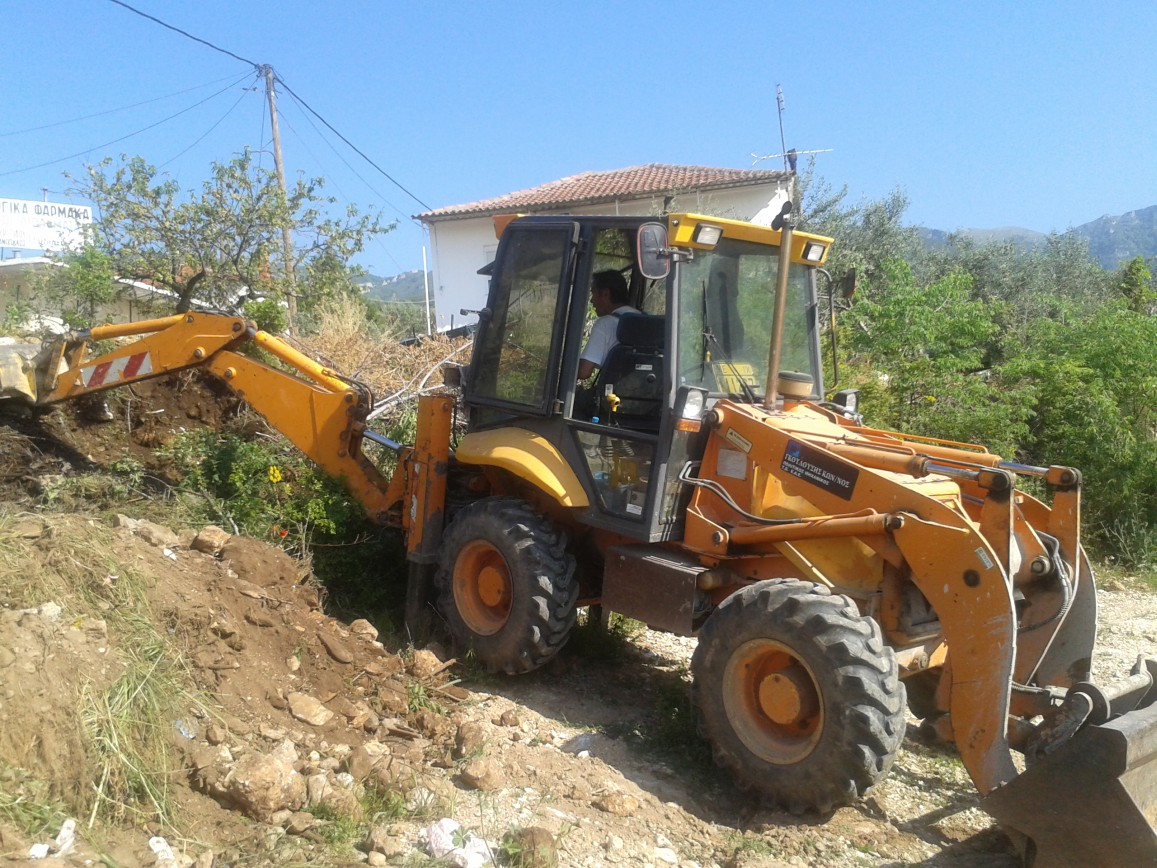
{"x": 162, "y": 851}
{"x": 446, "y": 839}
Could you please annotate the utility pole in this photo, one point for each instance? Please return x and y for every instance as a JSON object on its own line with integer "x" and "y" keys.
{"x": 286, "y": 235}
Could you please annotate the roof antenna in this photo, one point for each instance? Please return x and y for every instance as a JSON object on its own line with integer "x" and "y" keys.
{"x": 780, "y": 106}
{"x": 789, "y": 157}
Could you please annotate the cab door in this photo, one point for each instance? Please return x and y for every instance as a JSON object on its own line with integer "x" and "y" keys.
{"x": 518, "y": 348}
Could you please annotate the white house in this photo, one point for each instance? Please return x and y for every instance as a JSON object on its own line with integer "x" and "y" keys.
{"x": 462, "y": 237}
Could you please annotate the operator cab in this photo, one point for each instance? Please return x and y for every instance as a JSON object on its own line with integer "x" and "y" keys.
{"x": 702, "y": 291}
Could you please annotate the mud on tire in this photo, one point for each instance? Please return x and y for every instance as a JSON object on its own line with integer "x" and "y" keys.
{"x": 506, "y": 585}
{"x": 798, "y": 695}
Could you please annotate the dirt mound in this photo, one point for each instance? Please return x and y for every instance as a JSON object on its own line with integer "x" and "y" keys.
{"x": 295, "y": 737}
{"x": 38, "y": 446}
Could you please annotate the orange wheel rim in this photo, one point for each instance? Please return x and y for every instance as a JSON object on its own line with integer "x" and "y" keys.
{"x": 482, "y": 588}
{"x": 772, "y": 701}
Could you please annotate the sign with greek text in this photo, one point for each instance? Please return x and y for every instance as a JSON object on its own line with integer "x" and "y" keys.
{"x": 33, "y": 225}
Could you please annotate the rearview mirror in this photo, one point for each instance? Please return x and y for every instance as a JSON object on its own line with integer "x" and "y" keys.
{"x": 651, "y": 251}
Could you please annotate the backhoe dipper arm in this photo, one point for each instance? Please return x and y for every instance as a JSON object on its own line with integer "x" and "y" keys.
{"x": 318, "y": 411}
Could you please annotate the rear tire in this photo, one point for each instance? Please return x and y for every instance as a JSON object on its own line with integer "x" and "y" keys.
{"x": 506, "y": 585}
{"x": 798, "y": 695}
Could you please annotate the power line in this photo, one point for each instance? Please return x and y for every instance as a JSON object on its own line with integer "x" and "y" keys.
{"x": 111, "y": 111}
{"x": 187, "y": 35}
{"x": 288, "y": 89}
{"x": 122, "y": 138}
{"x": 360, "y": 153}
{"x": 346, "y": 163}
{"x": 202, "y": 137}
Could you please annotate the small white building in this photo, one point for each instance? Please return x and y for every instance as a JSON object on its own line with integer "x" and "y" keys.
{"x": 23, "y": 297}
{"x": 462, "y": 237}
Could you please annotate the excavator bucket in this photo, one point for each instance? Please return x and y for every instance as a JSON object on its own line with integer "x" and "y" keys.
{"x": 1092, "y": 801}
{"x": 16, "y": 372}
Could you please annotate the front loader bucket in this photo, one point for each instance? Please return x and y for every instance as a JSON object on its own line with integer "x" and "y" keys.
{"x": 16, "y": 377}
{"x": 1092, "y": 801}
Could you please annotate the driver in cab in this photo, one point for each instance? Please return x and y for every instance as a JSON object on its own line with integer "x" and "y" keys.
{"x": 609, "y": 295}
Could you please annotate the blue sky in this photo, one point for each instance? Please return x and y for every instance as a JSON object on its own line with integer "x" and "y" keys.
{"x": 1031, "y": 113}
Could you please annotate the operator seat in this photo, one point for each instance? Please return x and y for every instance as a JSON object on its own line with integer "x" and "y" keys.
{"x": 633, "y": 370}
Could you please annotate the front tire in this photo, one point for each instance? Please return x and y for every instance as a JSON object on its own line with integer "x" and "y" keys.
{"x": 798, "y": 695}
{"x": 506, "y": 585}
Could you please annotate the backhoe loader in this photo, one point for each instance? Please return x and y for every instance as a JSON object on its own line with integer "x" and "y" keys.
{"x": 702, "y": 484}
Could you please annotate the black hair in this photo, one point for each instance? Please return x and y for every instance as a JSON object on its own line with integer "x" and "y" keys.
{"x": 614, "y": 281}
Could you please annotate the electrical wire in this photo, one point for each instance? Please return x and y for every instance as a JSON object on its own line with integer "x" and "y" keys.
{"x": 202, "y": 137}
{"x": 256, "y": 66}
{"x": 260, "y": 68}
{"x": 345, "y": 162}
{"x": 358, "y": 150}
{"x": 123, "y": 138}
{"x": 112, "y": 110}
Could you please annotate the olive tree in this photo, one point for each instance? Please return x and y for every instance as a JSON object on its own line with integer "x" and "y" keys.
{"x": 222, "y": 245}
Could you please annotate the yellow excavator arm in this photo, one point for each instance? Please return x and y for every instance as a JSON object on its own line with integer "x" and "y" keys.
{"x": 317, "y": 409}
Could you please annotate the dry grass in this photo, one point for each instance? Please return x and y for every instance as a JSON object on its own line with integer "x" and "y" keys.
{"x": 395, "y": 373}
{"x": 124, "y": 726}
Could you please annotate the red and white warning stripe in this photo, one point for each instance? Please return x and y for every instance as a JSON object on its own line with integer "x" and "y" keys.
{"x": 108, "y": 373}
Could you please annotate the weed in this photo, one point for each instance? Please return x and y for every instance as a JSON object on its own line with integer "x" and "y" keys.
{"x": 26, "y": 804}
{"x": 128, "y": 727}
{"x": 418, "y": 698}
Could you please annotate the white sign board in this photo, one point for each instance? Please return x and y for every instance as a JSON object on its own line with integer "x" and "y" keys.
{"x": 42, "y": 225}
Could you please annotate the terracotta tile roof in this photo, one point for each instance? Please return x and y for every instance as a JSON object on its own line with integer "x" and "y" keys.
{"x": 593, "y": 187}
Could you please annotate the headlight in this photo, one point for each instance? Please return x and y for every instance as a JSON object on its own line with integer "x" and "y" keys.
{"x": 707, "y": 236}
{"x": 813, "y": 252}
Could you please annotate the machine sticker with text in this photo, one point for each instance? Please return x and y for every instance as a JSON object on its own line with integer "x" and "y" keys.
{"x": 820, "y": 469}
{"x": 737, "y": 439}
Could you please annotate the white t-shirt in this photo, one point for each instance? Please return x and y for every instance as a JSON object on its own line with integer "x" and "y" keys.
{"x": 603, "y": 336}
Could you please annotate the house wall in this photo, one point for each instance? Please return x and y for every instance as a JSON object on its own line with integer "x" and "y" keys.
{"x": 20, "y": 289}
{"x": 460, "y": 247}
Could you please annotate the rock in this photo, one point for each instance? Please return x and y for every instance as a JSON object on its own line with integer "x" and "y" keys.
{"x": 509, "y": 718}
{"x": 7, "y": 658}
{"x": 363, "y": 628}
{"x": 28, "y": 528}
{"x": 308, "y": 710}
{"x": 286, "y": 751}
{"x": 299, "y": 821}
{"x": 391, "y": 664}
{"x": 376, "y": 859}
{"x": 533, "y": 847}
{"x": 618, "y": 804}
{"x": 666, "y": 854}
{"x": 261, "y": 785}
{"x": 155, "y": 534}
{"x": 425, "y": 664}
{"x": 470, "y": 739}
{"x": 210, "y": 540}
{"x": 393, "y": 772}
{"x": 393, "y": 697}
{"x": 481, "y": 774}
{"x": 360, "y": 763}
{"x": 215, "y": 734}
{"x": 325, "y": 791}
{"x": 337, "y": 650}
{"x": 380, "y": 839}
{"x": 434, "y": 726}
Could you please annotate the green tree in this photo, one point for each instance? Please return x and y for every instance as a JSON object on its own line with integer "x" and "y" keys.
{"x": 79, "y": 289}
{"x": 919, "y": 352}
{"x": 1134, "y": 283}
{"x": 222, "y": 245}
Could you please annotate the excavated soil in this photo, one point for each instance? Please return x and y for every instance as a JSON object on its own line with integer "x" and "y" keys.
{"x": 293, "y": 714}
